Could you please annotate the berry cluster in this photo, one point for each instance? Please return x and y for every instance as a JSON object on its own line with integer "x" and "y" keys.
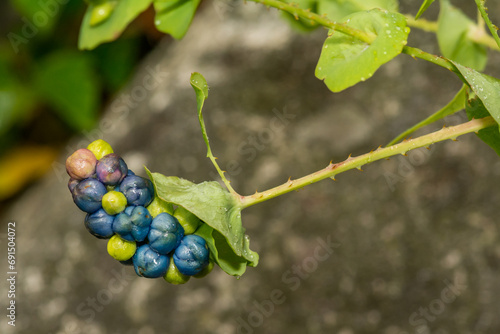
{"x": 143, "y": 230}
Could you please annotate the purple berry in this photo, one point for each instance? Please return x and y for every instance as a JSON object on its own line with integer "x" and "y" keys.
{"x": 111, "y": 169}
{"x": 81, "y": 164}
{"x": 72, "y": 183}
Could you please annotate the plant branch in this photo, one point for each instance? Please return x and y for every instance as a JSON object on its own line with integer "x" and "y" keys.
{"x": 356, "y": 33}
{"x": 357, "y": 162}
{"x": 422, "y": 24}
{"x": 491, "y": 27}
{"x": 321, "y": 20}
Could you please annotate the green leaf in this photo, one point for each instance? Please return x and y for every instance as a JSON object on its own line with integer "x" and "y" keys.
{"x": 217, "y": 208}
{"x": 16, "y": 100}
{"x": 174, "y": 16}
{"x": 453, "y": 29}
{"x": 221, "y": 252}
{"x": 423, "y": 8}
{"x": 485, "y": 87}
{"x": 338, "y": 9}
{"x": 475, "y": 109}
{"x": 345, "y": 60}
{"x": 456, "y": 104}
{"x": 45, "y": 12}
{"x": 112, "y": 26}
{"x": 117, "y": 60}
{"x": 67, "y": 82}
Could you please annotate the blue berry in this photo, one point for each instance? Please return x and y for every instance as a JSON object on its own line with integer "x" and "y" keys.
{"x": 111, "y": 169}
{"x": 87, "y": 195}
{"x": 165, "y": 233}
{"x": 137, "y": 190}
{"x": 148, "y": 263}
{"x": 100, "y": 224}
{"x": 130, "y": 172}
{"x": 133, "y": 223}
{"x": 192, "y": 255}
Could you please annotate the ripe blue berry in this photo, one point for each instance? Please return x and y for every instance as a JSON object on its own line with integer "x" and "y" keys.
{"x": 192, "y": 255}
{"x": 137, "y": 190}
{"x": 133, "y": 223}
{"x": 87, "y": 195}
{"x": 111, "y": 169}
{"x": 100, "y": 224}
{"x": 148, "y": 263}
{"x": 81, "y": 164}
{"x": 165, "y": 233}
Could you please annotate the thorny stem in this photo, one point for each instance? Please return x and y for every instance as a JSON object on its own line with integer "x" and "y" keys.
{"x": 357, "y": 162}
{"x": 491, "y": 27}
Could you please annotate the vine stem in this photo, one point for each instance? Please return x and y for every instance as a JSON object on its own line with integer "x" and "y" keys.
{"x": 357, "y": 162}
{"x": 491, "y": 27}
{"x": 322, "y": 20}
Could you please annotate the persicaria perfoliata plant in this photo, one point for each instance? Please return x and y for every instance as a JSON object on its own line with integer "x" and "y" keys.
{"x": 170, "y": 227}
{"x": 140, "y": 226}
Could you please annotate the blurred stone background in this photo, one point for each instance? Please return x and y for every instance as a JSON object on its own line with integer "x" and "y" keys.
{"x": 414, "y": 240}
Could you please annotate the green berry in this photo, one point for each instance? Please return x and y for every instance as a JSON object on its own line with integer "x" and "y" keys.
{"x": 158, "y": 206}
{"x": 120, "y": 249}
{"x": 100, "y": 148}
{"x": 174, "y": 276}
{"x": 205, "y": 271}
{"x": 114, "y": 202}
{"x": 188, "y": 221}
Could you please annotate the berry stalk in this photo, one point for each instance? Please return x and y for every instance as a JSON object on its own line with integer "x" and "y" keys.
{"x": 333, "y": 169}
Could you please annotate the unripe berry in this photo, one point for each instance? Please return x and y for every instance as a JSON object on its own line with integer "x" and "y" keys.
{"x": 81, "y": 164}
{"x": 100, "y": 148}
{"x": 158, "y": 206}
{"x": 148, "y": 263}
{"x": 138, "y": 190}
{"x": 133, "y": 223}
{"x": 114, "y": 202}
{"x": 111, "y": 169}
{"x": 192, "y": 255}
{"x": 121, "y": 250}
{"x": 88, "y": 194}
{"x": 100, "y": 224}
{"x": 174, "y": 276}
{"x": 165, "y": 233}
{"x": 188, "y": 221}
